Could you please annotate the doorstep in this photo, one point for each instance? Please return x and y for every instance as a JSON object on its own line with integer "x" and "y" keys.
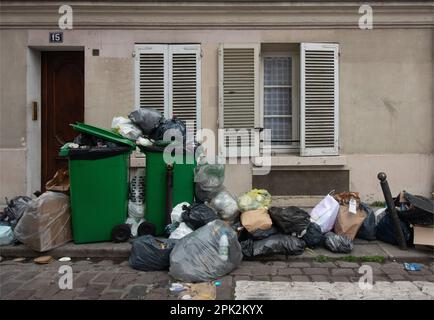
{"x": 109, "y": 250}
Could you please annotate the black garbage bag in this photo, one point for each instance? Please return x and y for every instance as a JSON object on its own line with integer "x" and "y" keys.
{"x": 169, "y": 130}
{"x": 151, "y": 254}
{"x": 368, "y": 229}
{"x": 14, "y": 210}
{"x": 420, "y": 210}
{"x": 92, "y": 148}
{"x": 147, "y": 119}
{"x": 386, "y": 230}
{"x": 313, "y": 236}
{"x": 290, "y": 220}
{"x": 198, "y": 215}
{"x": 275, "y": 244}
{"x": 260, "y": 234}
{"x": 338, "y": 243}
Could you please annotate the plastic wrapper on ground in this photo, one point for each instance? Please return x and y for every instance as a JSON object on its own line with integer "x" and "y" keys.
{"x": 196, "y": 258}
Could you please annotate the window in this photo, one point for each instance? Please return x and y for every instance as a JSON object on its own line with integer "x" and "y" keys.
{"x": 280, "y": 99}
{"x": 167, "y": 78}
{"x": 294, "y": 93}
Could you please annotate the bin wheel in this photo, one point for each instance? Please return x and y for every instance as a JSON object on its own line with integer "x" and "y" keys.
{"x": 121, "y": 233}
{"x": 146, "y": 228}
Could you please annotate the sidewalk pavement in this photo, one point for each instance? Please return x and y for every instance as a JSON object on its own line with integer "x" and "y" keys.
{"x": 113, "y": 280}
{"x": 109, "y": 250}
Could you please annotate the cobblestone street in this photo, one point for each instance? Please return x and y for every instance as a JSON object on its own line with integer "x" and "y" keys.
{"x": 110, "y": 280}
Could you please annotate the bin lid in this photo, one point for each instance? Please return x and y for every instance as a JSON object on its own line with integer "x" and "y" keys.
{"x": 103, "y": 134}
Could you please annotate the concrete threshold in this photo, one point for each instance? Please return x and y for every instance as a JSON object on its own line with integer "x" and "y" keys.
{"x": 109, "y": 250}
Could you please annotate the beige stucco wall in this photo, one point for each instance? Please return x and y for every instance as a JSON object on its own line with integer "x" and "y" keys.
{"x": 386, "y": 100}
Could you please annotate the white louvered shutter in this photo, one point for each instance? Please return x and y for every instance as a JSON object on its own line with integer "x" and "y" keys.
{"x": 238, "y": 98}
{"x": 151, "y": 74}
{"x": 319, "y": 103}
{"x": 184, "y": 84}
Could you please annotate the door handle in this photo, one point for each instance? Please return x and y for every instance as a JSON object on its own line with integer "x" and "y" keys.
{"x": 34, "y": 110}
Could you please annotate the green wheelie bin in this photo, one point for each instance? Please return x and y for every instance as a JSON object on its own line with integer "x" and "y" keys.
{"x": 168, "y": 183}
{"x": 98, "y": 185}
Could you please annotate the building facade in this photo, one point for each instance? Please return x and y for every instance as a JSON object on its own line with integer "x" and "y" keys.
{"x": 343, "y": 102}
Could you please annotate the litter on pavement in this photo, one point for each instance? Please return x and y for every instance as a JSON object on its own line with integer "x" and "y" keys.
{"x": 179, "y": 216}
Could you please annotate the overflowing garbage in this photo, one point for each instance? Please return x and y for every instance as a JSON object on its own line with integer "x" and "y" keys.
{"x": 186, "y": 221}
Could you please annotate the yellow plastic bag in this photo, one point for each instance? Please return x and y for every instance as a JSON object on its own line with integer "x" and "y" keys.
{"x": 254, "y": 199}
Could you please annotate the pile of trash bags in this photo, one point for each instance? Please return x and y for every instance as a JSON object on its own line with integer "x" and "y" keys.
{"x": 146, "y": 125}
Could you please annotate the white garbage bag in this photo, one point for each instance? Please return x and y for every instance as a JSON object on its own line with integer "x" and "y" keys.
{"x": 325, "y": 213}
{"x": 126, "y": 128}
{"x": 181, "y": 231}
{"x": 176, "y": 215}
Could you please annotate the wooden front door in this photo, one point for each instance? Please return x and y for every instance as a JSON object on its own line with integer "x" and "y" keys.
{"x": 62, "y": 103}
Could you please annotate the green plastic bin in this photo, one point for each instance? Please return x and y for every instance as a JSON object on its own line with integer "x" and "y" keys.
{"x": 99, "y": 189}
{"x": 156, "y": 173}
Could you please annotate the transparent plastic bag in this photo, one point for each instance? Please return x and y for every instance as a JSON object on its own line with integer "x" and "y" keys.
{"x": 209, "y": 176}
{"x": 254, "y": 199}
{"x": 126, "y": 128}
{"x": 225, "y": 205}
{"x": 196, "y": 258}
{"x": 46, "y": 223}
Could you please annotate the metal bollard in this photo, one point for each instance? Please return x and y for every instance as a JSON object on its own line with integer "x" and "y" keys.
{"x": 399, "y": 235}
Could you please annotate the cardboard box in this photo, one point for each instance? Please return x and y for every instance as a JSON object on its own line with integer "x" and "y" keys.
{"x": 424, "y": 235}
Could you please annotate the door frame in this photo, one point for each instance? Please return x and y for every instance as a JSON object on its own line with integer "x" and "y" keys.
{"x": 33, "y": 142}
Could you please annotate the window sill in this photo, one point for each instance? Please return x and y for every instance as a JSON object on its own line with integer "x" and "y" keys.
{"x": 297, "y": 161}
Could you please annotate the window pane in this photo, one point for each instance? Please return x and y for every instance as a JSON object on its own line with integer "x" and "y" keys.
{"x": 277, "y": 101}
{"x": 281, "y": 130}
{"x": 277, "y": 71}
